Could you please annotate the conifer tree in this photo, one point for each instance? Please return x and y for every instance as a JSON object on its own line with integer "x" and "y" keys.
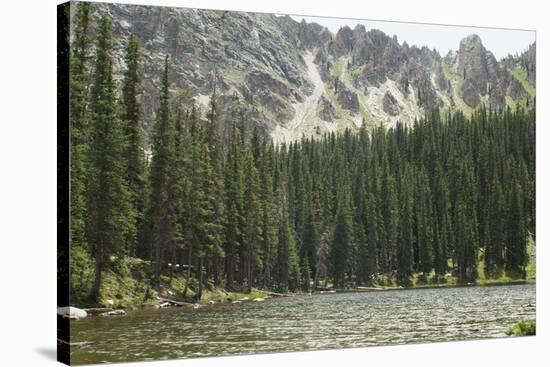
{"x": 268, "y": 220}
{"x": 494, "y": 247}
{"x": 79, "y": 118}
{"x": 234, "y": 205}
{"x": 253, "y": 233}
{"x": 288, "y": 265}
{"x": 406, "y": 238}
{"x": 342, "y": 242}
{"x": 162, "y": 229}
{"x": 516, "y": 241}
{"x": 216, "y": 187}
{"x": 424, "y": 232}
{"x": 132, "y": 115}
{"x": 109, "y": 208}
{"x": 79, "y": 80}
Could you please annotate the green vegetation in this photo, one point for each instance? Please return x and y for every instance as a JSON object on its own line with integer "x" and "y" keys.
{"x": 128, "y": 284}
{"x": 524, "y": 328}
{"x": 338, "y": 67}
{"x": 521, "y": 75}
{"x": 449, "y": 200}
{"x": 531, "y": 268}
{"x": 455, "y": 80}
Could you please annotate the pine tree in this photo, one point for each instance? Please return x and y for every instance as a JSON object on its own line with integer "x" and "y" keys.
{"x": 163, "y": 145}
{"x": 494, "y": 247}
{"x": 234, "y": 205}
{"x": 406, "y": 238}
{"x": 79, "y": 145}
{"x": 179, "y": 184}
{"x": 253, "y": 233}
{"x": 390, "y": 221}
{"x": 341, "y": 243}
{"x": 216, "y": 186}
{"x": 516, "y": 241}
{"x": 310, "y": 241}
{"x": 442, "y": 239}
{"x": 371, "y": 266}
{"x": 79, "y": 75}
{"x": 268, "y": 220}
{"x": 424, "y": 231}
{"x": 288, "y": 265}
{"x": 132, "y": 115}
{"x": 108, "y": 196}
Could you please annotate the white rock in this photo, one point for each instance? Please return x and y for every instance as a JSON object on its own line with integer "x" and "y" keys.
{"x": 72, "y": 313}
{"x": 116, "y": 312}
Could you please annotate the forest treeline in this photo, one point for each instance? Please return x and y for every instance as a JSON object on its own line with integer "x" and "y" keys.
{"x": 355, "y": 208}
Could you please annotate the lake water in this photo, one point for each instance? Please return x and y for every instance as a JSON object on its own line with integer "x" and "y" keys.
{"x": 324, "y": 321}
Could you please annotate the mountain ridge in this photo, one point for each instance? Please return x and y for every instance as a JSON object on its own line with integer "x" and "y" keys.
{"x": 296, "y": 78}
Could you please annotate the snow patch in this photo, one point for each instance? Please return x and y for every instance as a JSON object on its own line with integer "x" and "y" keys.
{"x": 124, "y": 24}
{"x": 203, "y": 101}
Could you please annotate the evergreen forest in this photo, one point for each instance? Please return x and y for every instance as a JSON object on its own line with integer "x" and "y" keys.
{"x": 220, "y": 205}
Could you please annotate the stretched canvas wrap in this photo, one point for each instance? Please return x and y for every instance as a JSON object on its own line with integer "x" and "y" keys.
{"x": 234, "y": 182}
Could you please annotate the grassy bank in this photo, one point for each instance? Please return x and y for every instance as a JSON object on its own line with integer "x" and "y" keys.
{"x": 130, "y": 285}
{"x": 524, "y": 328}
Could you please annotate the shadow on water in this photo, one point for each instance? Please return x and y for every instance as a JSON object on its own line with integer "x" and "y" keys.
{"x": 49, "y": 353}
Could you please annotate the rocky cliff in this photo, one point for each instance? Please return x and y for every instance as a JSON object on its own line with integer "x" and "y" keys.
{"x": 294, "y": 78}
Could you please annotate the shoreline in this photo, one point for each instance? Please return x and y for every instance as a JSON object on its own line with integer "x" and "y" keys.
{"x": 263, "y": 295}
{"x": 437, "y": 286}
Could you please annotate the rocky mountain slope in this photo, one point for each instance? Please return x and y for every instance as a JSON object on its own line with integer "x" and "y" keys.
{"x": 296, "y": 78}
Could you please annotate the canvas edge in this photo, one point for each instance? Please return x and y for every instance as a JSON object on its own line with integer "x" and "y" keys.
{"x": 63, "y": 187}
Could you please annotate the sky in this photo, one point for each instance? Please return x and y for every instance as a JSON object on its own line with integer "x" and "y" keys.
{"x": 443, "y": 38}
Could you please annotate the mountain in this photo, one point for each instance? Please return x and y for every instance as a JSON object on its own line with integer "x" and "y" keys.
{"x": 296, "y": 78}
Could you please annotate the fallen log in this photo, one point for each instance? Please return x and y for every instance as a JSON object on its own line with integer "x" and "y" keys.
{"x": 98, "y": 310}
{"x": 174, "y": 303}
{"x": 114, "y": 313}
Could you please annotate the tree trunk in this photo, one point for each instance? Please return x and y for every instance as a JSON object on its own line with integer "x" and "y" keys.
{"x": 316, "y": 277}
{"x": 249, "y": 273}
{"x": 173, "y": 260}
{"x": 157, "y": 259}
{"x": 216, "y": 270}
{"x": 188, "y": 275}
{"x": 229, "y": 265}
{"x": 201, "y": 261}
{"x": 208, "y": 269}
{"x": 97, "y": 281}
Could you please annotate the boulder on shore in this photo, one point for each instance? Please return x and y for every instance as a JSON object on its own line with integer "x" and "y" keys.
{"x": 71, "y": 313}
